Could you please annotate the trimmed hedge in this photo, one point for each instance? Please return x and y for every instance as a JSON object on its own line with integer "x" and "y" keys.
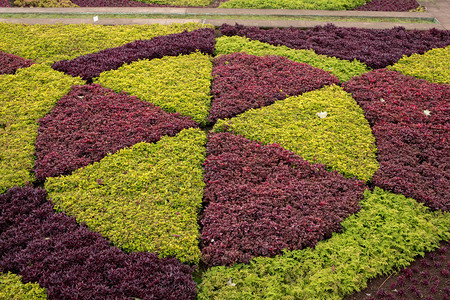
{"x": 413, "y": 162}
{"x": 179, "y": 2}
{"x": 342, "y": 69}
{"x": 376, "y": 48}
{"x": 9, "y": 63}
{"x": 24, "y": 98}
{"x": 92, "y": 121}
{"x": 244, "y": 81}
{"x": 12, "y": 288}
{"x": 324, "y": 126}
{"x": 50, "y": 43}
{"x": 112, "y": 3}
{"x": 294, "y": 4}
{"x": 431, "y": 66}
{"x": 44, "y": 3}
{"x": 176, "y": 84}
{"x": 388, "y": 233}
{"x": 72, "y": 262}
{"x": 264, "y": 199}
{"x": 145, "y": 198}
{"x": 92, "y": 65}
{"x": 389, "y": 5}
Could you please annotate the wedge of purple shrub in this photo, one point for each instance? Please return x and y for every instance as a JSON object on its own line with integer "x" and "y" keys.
{"x": 389, "y": 96}
{"x": 376, "y": 48}
{"x": 263, "y": 199}
{"x": 91, "y": 65}
{"x": 92, "y": 121}
{"x": 414, "y": 162}
{"x": 9, "y": 63}
{"x": 72, "y": 262}
{"x": 388, "y": 5}
{"x": 242, "y": 82}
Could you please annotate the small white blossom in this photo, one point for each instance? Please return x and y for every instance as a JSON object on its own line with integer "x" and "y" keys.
{"x": 322, "y": 114}
{"x": 230, "y": 283}
{"x": 382, "y": 100}
{"x": 427, "y": 112}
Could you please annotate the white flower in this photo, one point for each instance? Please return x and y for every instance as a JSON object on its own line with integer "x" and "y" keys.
{"x": 382, "y": 100}
{"x": 322, "y": 114}
{"x": 230, "y": 283}
{"x": 427, "y": 112}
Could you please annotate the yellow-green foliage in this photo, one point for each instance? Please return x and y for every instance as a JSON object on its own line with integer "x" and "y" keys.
{"x": 179, "y": 2}
{"x": 143, "y": 198}
{"x": 50, "y": 43}
{"x": 343, "y": 69}
{"x": 26, "y": 97}
{"x": 12, "y": 288}
{"x": 174, "y": 83}
{"x": 294, "y": 4}
{"x": 44, "y": 3}
{"x": 342, "y": 140}
{"x": 387, "y": 234}
{"x": 433, "y": 65}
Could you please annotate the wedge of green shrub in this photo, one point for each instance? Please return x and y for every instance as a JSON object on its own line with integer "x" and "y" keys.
{"x": 26, "y": 97}
{"x": 174, "y": 83}
{"x": 179, "y": 2}
{"x": 294, "y": 4}
{"x": 12, "y": 288}
{"x": 433, "y": 65}
{"x": 342, "y": 140}
{"x": 50, "y": 43}
{"x": 387, "y": 234}
{"x": 143, "y": 198}
{"x": 343, "y": 69}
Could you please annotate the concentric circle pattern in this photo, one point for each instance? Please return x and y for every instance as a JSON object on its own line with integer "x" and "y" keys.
{"x": 263, "y": 163}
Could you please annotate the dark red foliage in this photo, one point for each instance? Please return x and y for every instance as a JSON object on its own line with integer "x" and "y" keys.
{"x": 376, "y": 48}
{"x": 72, "y": 262}
{"x": 4, "y": 3}
{"x": 414, "y": 162}
{"x": 263, "y": 199}
{"x": 9, "y": 63}
{"x": 92, "y": 121}
{"x": 244, "y": 81}
{"x": 389, "y": 5}
{"x": 388, "y": 96}
{"x": 91, "y": 65}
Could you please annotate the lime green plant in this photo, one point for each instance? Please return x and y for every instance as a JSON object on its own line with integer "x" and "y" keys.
{"x": 12, "y": 288}
{"x": 294, "y": 4}
{"x": 26, "y": 97}
{"x": 179, "y": 2}
{"x": 174, "y": 83}
{"x": 387, "y": 234}
{"x": 433, "y": 65}
{"x": 343, "y": 69}
{"x": 50, "y": 43}
{"x": 44, "y": 3}
{"x": 143, "y": 198}
{"x": 323, "y": 126}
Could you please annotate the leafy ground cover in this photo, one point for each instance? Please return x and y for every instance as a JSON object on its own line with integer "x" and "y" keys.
{"x": 294, "y": 4}
{"x": 389, "y": 5}
{"x": 9, "y": 63}
{"x": 11, "y": 287}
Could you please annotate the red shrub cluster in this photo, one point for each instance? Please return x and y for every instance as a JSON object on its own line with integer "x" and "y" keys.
{"x": 91, "y": 65}
{"x": 389, "y": 5}
{"x": 263, "y": 199}
{"x": 376, "y": 48}
{"x": 72, "y": 262}
{"x": 410, "y": 120}
{"x": 92, "y": 121}
{"x": 242, "y": 82}
{"x": 9, "y": 63}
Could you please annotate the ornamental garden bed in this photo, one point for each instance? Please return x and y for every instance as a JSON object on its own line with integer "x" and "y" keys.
{"x": 183, "y": 162}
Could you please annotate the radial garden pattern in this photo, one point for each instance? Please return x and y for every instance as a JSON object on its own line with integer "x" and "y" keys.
{"x": 259, "y": 199}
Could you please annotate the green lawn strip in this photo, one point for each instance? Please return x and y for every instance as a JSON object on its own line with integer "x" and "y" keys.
{"x": 12, "y": 288}
{"x": 26, "y": 97}
{"x": 433, "y": 65}
{"x": 343, "y": 69}
{"x": 387, "y": 234}
{"x": 143, "y": 198}
{"x": 294, "y": 4}
{"x": 174, "y": 83}
{"x": 50, "y": 43}
{"x": 342, "y": 140}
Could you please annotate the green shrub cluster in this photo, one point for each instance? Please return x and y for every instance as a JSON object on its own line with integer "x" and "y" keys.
{"x": 44, "y": 3}
{"x": 387, "y": 234}
{"x": 26, "y": 97}
{"x": 179, "y": 2}
{"x": 50, "y": 43}
{"x": 342, "y": 139}
{"x": 433, "y": 65}
{"x": 143, "y": 198}
{"x": 294, "y": 4}
{"x": 343, "y": 69}
{"x": 12, "y": 288}
{"x": 174, "y": 83}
